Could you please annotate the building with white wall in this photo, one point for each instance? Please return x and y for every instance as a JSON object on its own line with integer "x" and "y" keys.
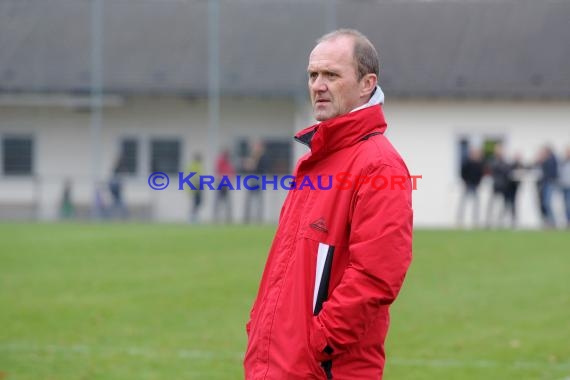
{"x": 451, "y": 71}
{"x": 427, "y": 133}
{"x": 62, "y": 150}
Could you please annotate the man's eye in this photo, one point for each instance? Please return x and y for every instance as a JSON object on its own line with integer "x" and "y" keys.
{"x": 331, "y": 75}
{"x": 313, "y": 75}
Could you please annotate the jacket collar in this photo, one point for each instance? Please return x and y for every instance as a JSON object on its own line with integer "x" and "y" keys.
{"x": 343, "y": 131}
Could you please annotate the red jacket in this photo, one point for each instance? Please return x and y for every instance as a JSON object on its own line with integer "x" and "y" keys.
{"x": 338, "y": 259}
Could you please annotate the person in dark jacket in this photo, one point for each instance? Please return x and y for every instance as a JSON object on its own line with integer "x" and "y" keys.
{"x": 499, "y": 170}
{"x": 258, "y": 165}
{"x": 514, "y": 176}
{"x": 118, "y": 208}
{"x": 547, "y": 185}
{"x": 564, "y": 176}
{"x": 471, "y": 175}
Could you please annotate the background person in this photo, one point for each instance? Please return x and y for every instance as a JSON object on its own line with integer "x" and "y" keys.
{"x": 66, "y": 208}
{"x": 499, "y": 170}
{"x": 118, "y": 207}
{"x": 565, "y": 184}
{"x": 472, "y": 171}
{"x": 514, "y": 175}
{"x": 196, "y": 166}
{"x": 547, "y": 185}
{"x": 256, "y": 164}
{"x": 222, "y": 201}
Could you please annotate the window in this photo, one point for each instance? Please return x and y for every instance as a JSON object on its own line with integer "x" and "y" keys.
{"x": 277, "y": 154}
{"x": 484, "y": 144}
{"x": 489, "y": 146}
{"x": 128, "y": 156}
{"x": 17, "y": 155}
{"x": 165, "y": 156}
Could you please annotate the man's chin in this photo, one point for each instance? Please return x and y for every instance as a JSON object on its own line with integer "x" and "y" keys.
{"x": 321, "y": 116}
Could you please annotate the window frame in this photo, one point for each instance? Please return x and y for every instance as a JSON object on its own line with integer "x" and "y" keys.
{"x": 32, "y": 154}
{"x": 163, "y": 139}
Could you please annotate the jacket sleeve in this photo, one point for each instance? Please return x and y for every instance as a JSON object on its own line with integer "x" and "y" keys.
{"x": 380, "y": 252}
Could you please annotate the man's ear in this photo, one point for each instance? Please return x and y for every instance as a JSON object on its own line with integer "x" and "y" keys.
{"x": 367, "y": 85}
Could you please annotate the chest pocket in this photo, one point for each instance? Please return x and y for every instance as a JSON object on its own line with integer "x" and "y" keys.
{"x": 325, "y": 217}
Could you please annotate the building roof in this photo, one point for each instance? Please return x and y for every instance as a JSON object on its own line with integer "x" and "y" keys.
{"x": 441, "y": 48}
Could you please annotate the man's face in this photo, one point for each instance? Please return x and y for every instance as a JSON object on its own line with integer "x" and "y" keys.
{"x": 333, "y": 83}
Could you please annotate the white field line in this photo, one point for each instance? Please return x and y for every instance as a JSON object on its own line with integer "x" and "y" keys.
{"x": 452, "y": 363}
{"x": 193, "y": 354}
{"x": 80, "y": 349}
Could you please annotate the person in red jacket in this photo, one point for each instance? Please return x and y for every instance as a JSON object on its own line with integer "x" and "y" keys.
{"x": 344, "y": 240}
{"x": 223, "y": 202}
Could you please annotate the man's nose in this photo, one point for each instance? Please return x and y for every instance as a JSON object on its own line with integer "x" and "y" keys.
{"x": 319, "y": 85}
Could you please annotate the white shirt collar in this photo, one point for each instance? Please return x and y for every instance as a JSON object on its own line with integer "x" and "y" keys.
{"x": 377, "y": 98}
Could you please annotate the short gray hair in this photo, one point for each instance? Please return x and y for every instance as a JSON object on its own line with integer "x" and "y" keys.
{"x": 365, "y": 54}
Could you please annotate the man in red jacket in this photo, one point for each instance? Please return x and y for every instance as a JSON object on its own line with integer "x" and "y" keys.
{"x": 341, "y": 252}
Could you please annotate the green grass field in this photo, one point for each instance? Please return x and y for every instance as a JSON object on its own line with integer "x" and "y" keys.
{"x": 124, "y": 302}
